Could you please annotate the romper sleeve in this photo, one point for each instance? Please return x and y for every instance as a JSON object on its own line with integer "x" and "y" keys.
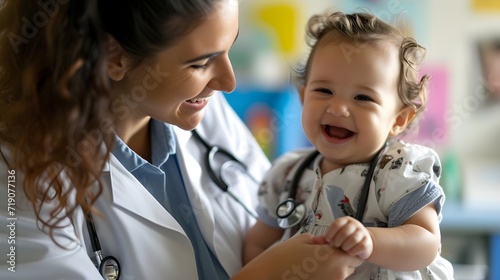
{"x": 274, "y": 188}
{"x": 408, "y": 180}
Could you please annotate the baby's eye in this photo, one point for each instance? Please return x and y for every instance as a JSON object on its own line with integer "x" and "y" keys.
{"x": 362, "y": 97}
{"x": 323, "y": 90}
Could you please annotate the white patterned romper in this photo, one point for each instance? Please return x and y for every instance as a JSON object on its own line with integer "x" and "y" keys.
{"x": 406, "y": 179}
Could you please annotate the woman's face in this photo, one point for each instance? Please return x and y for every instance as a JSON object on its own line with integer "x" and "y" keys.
{"x": 176, "y": 85}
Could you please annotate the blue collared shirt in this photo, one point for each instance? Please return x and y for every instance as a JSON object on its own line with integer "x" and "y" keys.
{"x": 163, "y": 179}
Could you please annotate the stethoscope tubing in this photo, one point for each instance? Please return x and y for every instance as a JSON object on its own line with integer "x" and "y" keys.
{"x": 94, "y": 239}
{"x": 300, "y": 170}
{"x": 366, "y": 186}
{"x": 209, "y": 162}
{"x": 101, "y": 262}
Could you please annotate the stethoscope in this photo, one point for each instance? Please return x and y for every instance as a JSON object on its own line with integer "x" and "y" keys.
{"x": 108, "y": 267}
{"x": 290, "y": 213}
{"x": 223, "y": 171}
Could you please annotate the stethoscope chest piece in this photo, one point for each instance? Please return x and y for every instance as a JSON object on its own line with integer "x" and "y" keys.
{"x": 110, "y": 268}
{"x": 290, "y": 213}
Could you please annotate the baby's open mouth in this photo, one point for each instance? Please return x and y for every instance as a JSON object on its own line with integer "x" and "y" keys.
{"x": 337, "y": 132}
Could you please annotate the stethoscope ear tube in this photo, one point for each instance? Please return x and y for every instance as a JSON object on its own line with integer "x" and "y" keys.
{"x": 294, "y": 185}
{"x": 366, "y": 186}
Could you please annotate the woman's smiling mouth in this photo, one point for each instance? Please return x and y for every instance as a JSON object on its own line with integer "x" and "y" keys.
{"x": 197, "y": 100}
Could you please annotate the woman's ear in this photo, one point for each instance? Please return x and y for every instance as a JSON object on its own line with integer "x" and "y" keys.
{"x": 403, "y": 119}
{"x": 117, "y": 62}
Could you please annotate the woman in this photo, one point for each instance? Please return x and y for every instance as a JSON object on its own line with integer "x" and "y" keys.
{"x": 91, "y": 92}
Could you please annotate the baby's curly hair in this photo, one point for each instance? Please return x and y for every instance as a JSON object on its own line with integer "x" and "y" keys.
{"x": 365, "y": 28}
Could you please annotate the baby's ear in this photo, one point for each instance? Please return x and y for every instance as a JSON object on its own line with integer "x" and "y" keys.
{"x": 302, "y": 92}
{"x": 403, "y": 119}
{"x": 117, "y": 60}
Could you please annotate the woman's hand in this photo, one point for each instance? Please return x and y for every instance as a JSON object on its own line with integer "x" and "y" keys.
{"x": 299, "y": 258}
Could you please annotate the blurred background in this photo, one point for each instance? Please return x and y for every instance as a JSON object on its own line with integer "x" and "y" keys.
{"x": 461, "y": 122}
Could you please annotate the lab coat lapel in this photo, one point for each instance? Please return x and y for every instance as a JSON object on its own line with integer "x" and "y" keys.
{"x": 199, "y": 192}
{"x": 130, "y": 194}
{"x": 193, "y": 182}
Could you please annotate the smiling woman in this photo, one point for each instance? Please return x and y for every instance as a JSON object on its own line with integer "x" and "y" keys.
{"x": 95, "y": 104}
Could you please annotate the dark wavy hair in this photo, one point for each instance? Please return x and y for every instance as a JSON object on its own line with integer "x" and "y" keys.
{"x": 366, "y": 28}
{"x": 55, "y": 92}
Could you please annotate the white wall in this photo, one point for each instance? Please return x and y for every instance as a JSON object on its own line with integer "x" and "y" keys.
{"x": 453, "y": 29}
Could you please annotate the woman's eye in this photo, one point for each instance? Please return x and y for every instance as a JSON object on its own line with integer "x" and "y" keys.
{"x": 323, "y": 90}
{"x": 202, "y": 66}
{"x": 363, "y": 98}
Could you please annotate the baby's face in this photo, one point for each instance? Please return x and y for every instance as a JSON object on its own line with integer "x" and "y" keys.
{"x": 351, "y": 102}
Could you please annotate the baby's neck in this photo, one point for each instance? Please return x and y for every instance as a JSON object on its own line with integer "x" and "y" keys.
{"x": 327, "y": 166}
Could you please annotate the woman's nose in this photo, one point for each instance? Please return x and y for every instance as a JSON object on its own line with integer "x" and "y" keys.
{"x": 224, "y": 79}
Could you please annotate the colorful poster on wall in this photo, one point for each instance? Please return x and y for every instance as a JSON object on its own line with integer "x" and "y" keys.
{"x": 489, "y": 6}
{"x": 274, "y": 118}
{"x": 271, "y": 38}
{"x": 433, "y": 125}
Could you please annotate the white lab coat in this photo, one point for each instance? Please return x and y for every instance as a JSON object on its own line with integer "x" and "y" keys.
{"x": 134, "y": 227}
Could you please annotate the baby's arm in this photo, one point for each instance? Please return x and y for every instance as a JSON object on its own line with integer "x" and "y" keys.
{"x": 259, "y": 238}
{"x": 411, "y": 246}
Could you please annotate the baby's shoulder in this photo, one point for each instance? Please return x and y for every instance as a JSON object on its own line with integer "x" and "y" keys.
{"x": 403, "y": 161}
{"x": 399, "y": 152}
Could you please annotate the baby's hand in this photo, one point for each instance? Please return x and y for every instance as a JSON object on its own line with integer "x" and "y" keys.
{"x": 351, "y": 236}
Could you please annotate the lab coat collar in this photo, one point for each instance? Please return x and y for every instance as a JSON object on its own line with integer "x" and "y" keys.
{"x": 129, "y": 194}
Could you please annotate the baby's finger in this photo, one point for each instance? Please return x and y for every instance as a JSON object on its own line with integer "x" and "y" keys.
{"x": 362, "y": 250}
{"x": 334, "y": 228}
{"x": 352, "y": 240}
{"x": 343, "y": 234}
